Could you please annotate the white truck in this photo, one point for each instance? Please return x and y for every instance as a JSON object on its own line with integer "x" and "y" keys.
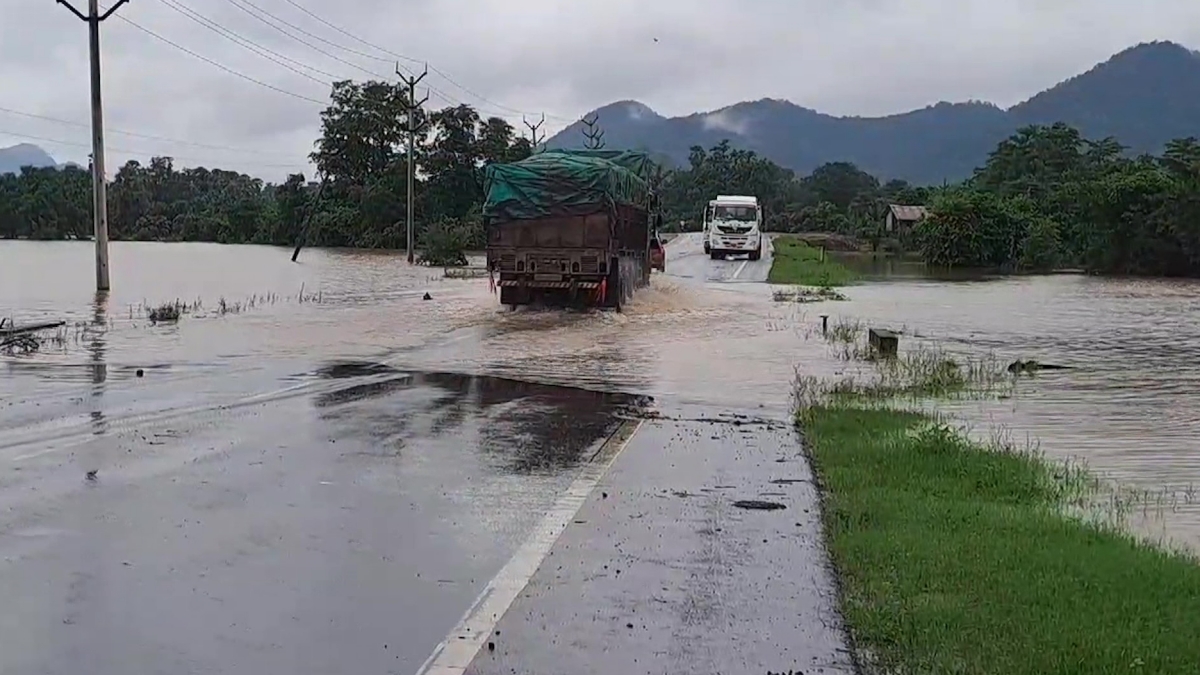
{"x": 733, "y": 225}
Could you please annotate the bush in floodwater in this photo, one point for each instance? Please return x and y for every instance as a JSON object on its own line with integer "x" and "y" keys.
{"x": 845, "y": 331}
{"x": 166, "y": 313}
{"x": 445, "y": 243}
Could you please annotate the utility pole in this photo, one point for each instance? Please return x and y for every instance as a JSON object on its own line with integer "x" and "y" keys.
{"x": 593, "y": 135}
{"x": 99, "y": 199}
{"x": 412, "y": 128}
{"x": 534, "y": 139}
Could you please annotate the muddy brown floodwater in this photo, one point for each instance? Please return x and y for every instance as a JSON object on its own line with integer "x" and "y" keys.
{"x": 1130, "y": 406}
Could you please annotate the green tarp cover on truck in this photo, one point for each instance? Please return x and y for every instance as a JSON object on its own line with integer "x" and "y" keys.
{"x": 559, "y": 184}
{"x": 637, "y": 162}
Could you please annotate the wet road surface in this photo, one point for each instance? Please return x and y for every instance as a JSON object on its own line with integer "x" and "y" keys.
{"x": 686, "y": 259}
{"x": 661, "y": 570}
{"x": 298, "y": 466}
{"x": 350, "y": 540}
{"x": 225, "y": 496}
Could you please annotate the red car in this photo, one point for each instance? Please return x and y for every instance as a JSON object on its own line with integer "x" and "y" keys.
{"x": 658, "y": 255}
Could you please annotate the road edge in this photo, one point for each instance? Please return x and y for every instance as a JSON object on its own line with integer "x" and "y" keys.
{"x": 455, "y": 653}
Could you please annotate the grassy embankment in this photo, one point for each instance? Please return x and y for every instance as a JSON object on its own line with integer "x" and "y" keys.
{"x": 961, "y": 557}
{"x": 796, "y": 263}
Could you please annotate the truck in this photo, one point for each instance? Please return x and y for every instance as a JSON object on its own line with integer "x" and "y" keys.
{"x": 733, "y": 224}
{"x": 570, "y": 227}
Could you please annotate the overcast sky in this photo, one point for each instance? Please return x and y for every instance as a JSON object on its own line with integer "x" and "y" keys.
{"x": 561, "y": 57}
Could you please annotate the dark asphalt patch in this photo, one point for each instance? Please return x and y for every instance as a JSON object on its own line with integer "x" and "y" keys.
{"x": 523, "y": 427}
{"x": 758, "y": 505}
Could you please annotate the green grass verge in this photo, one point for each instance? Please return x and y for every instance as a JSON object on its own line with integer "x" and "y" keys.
{"x": 795, "y": 262}
{"x": 958, "y": 558}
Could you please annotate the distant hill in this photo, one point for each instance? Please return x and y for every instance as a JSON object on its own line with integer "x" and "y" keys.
{"x": 25, "y": 154}
{"x": 1144, "y": 96}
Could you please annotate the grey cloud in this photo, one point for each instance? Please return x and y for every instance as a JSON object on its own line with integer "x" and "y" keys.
{"x": 865, "y": 57}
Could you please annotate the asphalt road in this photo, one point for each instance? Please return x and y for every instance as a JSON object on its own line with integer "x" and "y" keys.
{"x": 295, "y": 516}
{"x": 341, "y": 526}
{"x": 686, "y": 259}
{"x": 663, "y": 570}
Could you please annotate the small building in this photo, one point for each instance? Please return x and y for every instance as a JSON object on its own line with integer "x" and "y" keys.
{"x": 901, "y": 218}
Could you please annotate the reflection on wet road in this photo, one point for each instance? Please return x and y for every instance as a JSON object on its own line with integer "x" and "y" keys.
{"x": 313, "y": 448}
{"x": 686, "y": 259}
{"x": 353, "y": 535}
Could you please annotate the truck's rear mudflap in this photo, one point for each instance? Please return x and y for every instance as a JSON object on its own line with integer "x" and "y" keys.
{"x": 520, "y": 283}
{"x": 516, "y": 292}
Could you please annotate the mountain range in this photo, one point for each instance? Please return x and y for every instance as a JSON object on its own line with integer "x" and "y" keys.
{"x": 25, "y": 154}
{"x": 1143, "y": 96}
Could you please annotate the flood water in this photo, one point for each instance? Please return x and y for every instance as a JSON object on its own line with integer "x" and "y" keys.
{"x": 258, "y": 323}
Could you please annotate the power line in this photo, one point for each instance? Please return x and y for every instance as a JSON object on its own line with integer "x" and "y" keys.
{"x": 259, "y": 13}
{"x": 215, "y": 64}
{"x": 137, "y": 153}
{"x": 132, "y": 134}
{"x": 402, "y": 57}
{"x": 251, "y": 8}
{"x": 253, "y": 46}
{"x": 310, "y": 45}
{"x": 264, "y": 52}
{"x": 239, "y": 4}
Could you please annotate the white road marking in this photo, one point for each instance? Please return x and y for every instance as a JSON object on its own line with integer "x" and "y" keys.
{"x": 740, "y": 269}
{"x": 454, "y": 654}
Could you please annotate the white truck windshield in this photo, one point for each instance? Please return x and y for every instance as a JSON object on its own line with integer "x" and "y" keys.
{"x": 745, "y": 214}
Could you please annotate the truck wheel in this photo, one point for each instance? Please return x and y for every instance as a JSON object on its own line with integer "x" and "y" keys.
{"x": 707, "y": 250}
{"x": 714, "y": 255}
{"x": 756, "y": 255}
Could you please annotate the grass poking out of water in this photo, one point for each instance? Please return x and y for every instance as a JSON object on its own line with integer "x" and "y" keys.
{"x": 805, "y": 295}
{"x": 955, "y": 557}
{"x": 979, "y": 558}
{"x": 795, "y": 262}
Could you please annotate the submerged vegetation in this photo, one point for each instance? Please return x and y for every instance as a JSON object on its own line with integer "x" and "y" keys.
{"x": 64, "y": 336}
{"x": 981, "y": 558}
{"x": 803, "y": 295}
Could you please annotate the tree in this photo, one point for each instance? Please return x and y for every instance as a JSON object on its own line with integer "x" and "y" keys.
{"x": 840, "y": 183}
{"x": 362, "y": 131}
{"x": 1045, "y": 197}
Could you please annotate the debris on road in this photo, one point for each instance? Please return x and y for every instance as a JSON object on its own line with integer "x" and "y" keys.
{"x": 758, "y": 505}
{"x": 8, "y": 328}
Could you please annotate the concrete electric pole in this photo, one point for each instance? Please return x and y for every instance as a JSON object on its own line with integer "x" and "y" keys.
{"x": 99, "y": 199}
{"x": 412, "y": 128}
{"x": 593, "y": 135}
{"x": 534, "y": 139}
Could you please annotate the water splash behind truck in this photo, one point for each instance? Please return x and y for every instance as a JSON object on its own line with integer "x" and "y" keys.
{"x": 570, "y": 227}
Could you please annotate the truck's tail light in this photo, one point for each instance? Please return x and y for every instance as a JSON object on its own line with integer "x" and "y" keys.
{"x": 603, "y": 268}
{"x": 562, "y": 265}
{"x": 520, "y": 265}
{"x": 532, "y": 265}
{"x": 575, "y": 267}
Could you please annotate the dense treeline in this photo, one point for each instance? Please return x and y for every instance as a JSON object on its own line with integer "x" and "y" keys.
{"x": 1045, "y": 198}
{"x": 1049, "y": 198}
{"x": 361, "y": 155}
